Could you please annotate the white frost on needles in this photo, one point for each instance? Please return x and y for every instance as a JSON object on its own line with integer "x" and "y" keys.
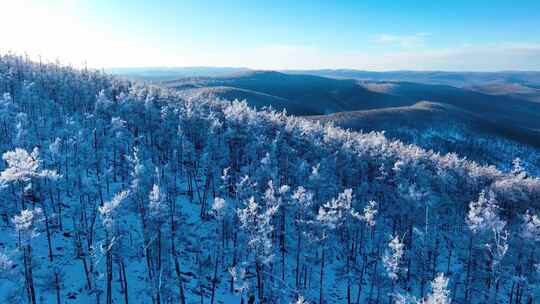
{"x": 392, "y": 257}
{"x": 531, "y": 226}
{"x": 439, "y": 293}
{"x": 22, "y": 166}
{"x": 25, "y": 223}
{"x": 483, "y": 217}
{"x": 335, "y": 212}
{"x": 109, "y": 209}
{"x": 370, "y": 211}
{"x": 483, "y": 214}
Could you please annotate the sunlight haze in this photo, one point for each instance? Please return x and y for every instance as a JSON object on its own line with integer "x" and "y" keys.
{"x": 396, "y": 35}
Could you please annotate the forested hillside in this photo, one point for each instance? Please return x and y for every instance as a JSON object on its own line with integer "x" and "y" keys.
{"x": 444, "y": 128}
{"x": 299, "y": 94}
{"x": 114, "y": 192}
{"x": 398, "y": 108}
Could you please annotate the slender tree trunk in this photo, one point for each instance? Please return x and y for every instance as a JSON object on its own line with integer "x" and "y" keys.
{"x": 175, "y": 257}
{"x": 298, "y": 258}
{"x": 157, "y": 275}
{"x": 214, "y": 279}
{"x": 57, "y": 287}
{"x": 469, "y": 265}
{"x": 260, "y": 286}
{"x": 125, "y": 287}
{"x": 282, "y": 243}
{"x": 27, "y": 256}
{"x": 449, "y": 259}
{"x": 321, "y": 278}
{"x": 234, "y": 261}
{"x": 109, "y": 272}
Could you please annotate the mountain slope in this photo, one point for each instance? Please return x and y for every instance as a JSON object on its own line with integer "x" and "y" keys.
{"x": 445, "y": 128}
{"x": 422, "y": 114}
{"x": 457, "y": 79}
{"x": 305, "y": 94}
{"x": 508, "y": 117}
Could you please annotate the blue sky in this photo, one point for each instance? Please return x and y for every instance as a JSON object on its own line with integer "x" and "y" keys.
{"x": 360, "y": 34}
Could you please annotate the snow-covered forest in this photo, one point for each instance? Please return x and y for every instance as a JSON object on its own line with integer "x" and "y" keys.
{"x": 114, "y": 192}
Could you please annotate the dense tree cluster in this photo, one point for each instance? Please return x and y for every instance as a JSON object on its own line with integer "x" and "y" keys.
{"x": 114, "y": 192}
{"x": 447, "y": 137}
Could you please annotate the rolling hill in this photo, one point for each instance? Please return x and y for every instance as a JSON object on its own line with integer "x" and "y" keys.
{"x": 458, "y": 79}
{"x": 518, "y": 84}
{"x": 299, "y": 94}
{"x": 373, "y": 105}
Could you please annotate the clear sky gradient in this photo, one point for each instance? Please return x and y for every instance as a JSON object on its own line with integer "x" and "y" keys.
{"x": 474, "y": 35}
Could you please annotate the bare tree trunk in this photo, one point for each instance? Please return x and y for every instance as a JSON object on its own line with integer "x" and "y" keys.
{"x": 321, "y": 278}
{"x": 57, "y": 287}
{"x": 109, "y": 272}
{"x": 469, "y": 265}
{"x": 282, "y": 242}
{"x": 214, "y": 279}
{"x": 27, "y": 257}
{"x": 125, "y": 287}
{"x": 175, "y": 256}
{"x": 299, "y": 240}
{"x": 259, "y": 270}
{"x": 234, "y": 261}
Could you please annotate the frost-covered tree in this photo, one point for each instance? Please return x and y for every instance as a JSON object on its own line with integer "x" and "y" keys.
{"x": 301, "y": 300}
{"x": 110, "y": 216}
{"x": 157, "y": 215}
{"x": 26, "y": 228}
{"x": 393, "y": 256}
{"x": 370, "y": 212}
{"x": 156, "y": 206}
{"x": 22, "y": 167}
{"x": 531, "y": 226}
{"x": 221, "y": 210}
{"x": 5, "y": 265}
{"x": 439, "y": 293}
{"x": 483, "y": 217}
{"x": 337, "y": 215}
{"x": 277, "y": 199}
{"x": 338, "y": 211}
{"x": 302, "y": 202}
{"x": 256, "y": 222}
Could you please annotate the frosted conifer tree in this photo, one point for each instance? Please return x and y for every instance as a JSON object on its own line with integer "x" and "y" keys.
{"x": 370, "y": 212}
{"x": 256, "y": 222}
{"x": 393, "y": 256}
{"x": 483, "y": 217}
{"x": 531, "y": 223}
{"x": 439, "y": 293}
{"x": 109, "y": 217}
{"x": 25, "y": 225}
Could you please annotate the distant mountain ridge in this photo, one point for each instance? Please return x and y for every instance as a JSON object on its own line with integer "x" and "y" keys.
{"x": 459, "y": 79}
{"x": 168, "y": 73}
{"x": 299, "y": 94}
{"x": 306, "y": 95}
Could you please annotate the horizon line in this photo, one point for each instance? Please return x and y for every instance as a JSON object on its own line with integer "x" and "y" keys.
{"x": 315, "y": 69}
